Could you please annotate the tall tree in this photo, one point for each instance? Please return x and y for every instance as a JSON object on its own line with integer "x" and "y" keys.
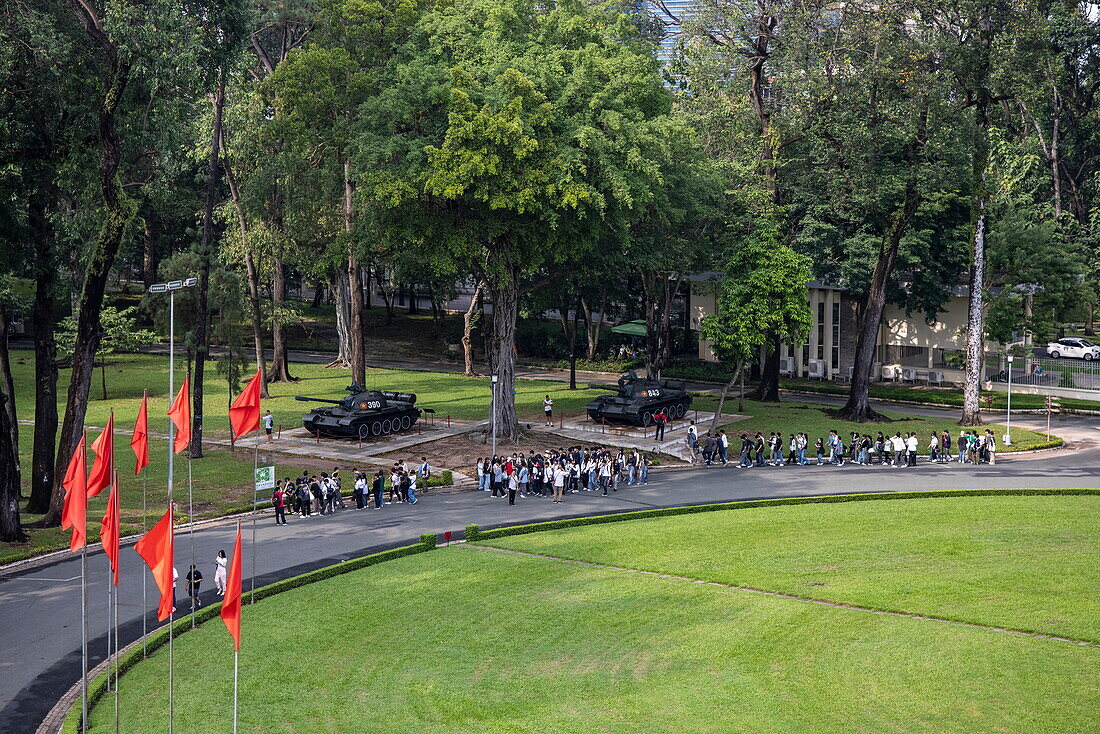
{"x": 489, "y": 144}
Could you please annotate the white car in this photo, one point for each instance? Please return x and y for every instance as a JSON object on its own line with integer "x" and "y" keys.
{"x": 1073, "y": 347}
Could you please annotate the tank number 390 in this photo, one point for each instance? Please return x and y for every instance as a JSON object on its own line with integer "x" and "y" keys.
{"x": 650, "y": 393}
{"x": 371, "y": 405}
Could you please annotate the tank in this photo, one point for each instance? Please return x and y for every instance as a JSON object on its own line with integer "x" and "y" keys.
{"x": 637, "y": 400}
{"x": 362, "y": 414}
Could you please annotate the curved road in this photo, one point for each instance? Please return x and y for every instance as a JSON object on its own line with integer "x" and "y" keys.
{"x": 40, "y": 605}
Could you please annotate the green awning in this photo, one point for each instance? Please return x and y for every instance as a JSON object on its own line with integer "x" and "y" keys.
{"x": 630, "y": 328}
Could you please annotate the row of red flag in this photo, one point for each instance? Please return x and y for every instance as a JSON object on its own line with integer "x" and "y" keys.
{"x": 157, "y": 546}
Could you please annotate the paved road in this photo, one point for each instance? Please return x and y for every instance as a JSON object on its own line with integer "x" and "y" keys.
{"x": 39, "y": 608}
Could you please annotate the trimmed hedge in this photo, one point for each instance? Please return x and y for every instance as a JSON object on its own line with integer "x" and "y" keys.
{"x": 479, "y": 534}
{"x": 98, "y": 685}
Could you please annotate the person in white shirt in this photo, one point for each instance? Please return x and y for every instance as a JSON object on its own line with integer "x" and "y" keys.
{"x": 269, "y": 424}
{"x": 559, "y": 484}
{"x": 897, "y": 445}
{"x": 361, "y": 490}
{"x": 548, "y": 408}
{"x": 911, "y": 449}
{"x": 219, "y": 572}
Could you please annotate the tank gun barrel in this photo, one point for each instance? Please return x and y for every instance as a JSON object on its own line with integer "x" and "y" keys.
{"x": 317, "y": 400}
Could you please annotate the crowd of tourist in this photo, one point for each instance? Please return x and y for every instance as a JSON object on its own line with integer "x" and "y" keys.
{"x": 756, "y": 449}
{"x": 561, "y": 471}
{"x": 313, "y": 495}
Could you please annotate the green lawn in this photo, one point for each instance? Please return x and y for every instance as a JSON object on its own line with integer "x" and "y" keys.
{"x": 462, "y": 640}
{"x": 446, "y": 393}
{"x": 948, "y": 396}
{"x": 793, "y": 416}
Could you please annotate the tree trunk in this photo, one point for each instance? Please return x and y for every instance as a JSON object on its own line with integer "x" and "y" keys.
{"x": 116, "y": 212}
{"x": 467, "y": 329}
{"x": 337, "y": 284}
{"x": 148, "y": 252}
{"x": 975, "y": 329}
{"x": 280, "y": 363}
{"x": 10, "y": 527}
{"x": 318, "y": 292}
{"x": 725, "y": 391}
{"x": 768, "y": 391}
{"x": 355, "y": 288}
{"x": 659, "y": 293}
{"x": 412, "y": 300}
{"x": 44, "y": 317}
{"x": 387, "y": 295}
{"x": 592, "y": 327}
{"x": 7, "y": 386}
{"x": 206, "y": 246}
{"x": 858, "y": 407}
{"x": 254, "y": 312}
{"x": 504, "y": 292}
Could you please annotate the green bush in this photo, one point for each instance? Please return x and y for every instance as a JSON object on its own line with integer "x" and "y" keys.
{"x": 473, "y": 532}
{"x": 428, "y": 539}
{"x": 697, "y": 369}
{"x": 442, "y": 479}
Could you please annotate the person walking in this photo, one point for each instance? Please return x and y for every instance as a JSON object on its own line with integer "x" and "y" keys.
{"x": 933, "y": 448}
{"x": 360, "y": 490}
{"x": 410, "y": 491}
{"x": 513, "y": 487}
{"x": 305, "y": 500}
{"x": 219, "y": 572}
{"x": 911, "y": 448}
{"x": 897, "y": 445}
{"x": 269, "y": 425}
{"x": 278, "y": 502}
{"x": 548, "y": 409}
{"x": 194, "y": 579}
{"x": 991, "y": 447}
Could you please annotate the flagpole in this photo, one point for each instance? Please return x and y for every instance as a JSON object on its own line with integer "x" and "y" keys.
{"x": 236, "y": 656}
{"x": 144, "y": 511}
{"x": 84, "y": 638}
{"x": 191, "y": 533}
{"x": 171, "y": 464}
{"x": 255, "y": 465}
{"x": 118, "y": 515}
{"x": 144, "y": 600}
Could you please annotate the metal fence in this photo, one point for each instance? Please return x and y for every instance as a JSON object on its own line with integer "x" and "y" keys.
{"x": 1070, "y": 373}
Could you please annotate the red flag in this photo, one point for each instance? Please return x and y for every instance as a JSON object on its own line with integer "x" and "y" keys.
{"x": 244, "y": 413}
{"x": 180, "y": 413}
{"x": 109, "y": 529}
{"x": 75, "y": 512}
{"x": 140, "y": 440}
{"x": 157, "y": 548}
{"x": 231, "y": 604}
{"x": 103, "y": 468}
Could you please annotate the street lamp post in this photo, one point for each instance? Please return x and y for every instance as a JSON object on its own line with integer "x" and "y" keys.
{"x": 170, "y": 288}
{"x": 493, "y": 417}
{"x": 1008, "y": 429}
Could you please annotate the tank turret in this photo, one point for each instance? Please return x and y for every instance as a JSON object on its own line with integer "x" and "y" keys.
{"x": 362, "y": 414}
{"x": 637, "y": 400}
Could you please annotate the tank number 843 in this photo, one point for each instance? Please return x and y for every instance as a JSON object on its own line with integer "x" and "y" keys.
{"x": 650, "y": 393}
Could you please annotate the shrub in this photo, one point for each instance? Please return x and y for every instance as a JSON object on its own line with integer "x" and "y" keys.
{"x": 473, "y": 532}
{"x": 428, "y": 539}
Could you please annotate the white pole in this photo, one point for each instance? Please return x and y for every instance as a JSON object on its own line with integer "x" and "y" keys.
{"x": 236, "y": 655}
{"x": 144, "y": 600}
{"x": 110, "y": 596}
{"x": 117, "y": 508}
{"x": 255, "y": 464}
{"x": 171, "y": 458}
{"x": 191, "y": 533}
{"x": 84, "y": 638}
{"x": 1008, "y": 431}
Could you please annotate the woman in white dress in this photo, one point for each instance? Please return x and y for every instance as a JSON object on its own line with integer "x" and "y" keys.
{"x": 219, "y": 572}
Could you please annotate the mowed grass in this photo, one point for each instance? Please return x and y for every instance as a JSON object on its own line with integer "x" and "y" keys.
{"x": 1030, "y": 563}
{"x": 468, "y": 640}
{"x": 813, "y": 419}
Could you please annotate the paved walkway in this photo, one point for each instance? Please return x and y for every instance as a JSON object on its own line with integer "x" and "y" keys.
{"x": 41, "y": 658}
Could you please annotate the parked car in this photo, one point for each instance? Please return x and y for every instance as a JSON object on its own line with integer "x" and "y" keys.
{"x": 1072, "y": 347}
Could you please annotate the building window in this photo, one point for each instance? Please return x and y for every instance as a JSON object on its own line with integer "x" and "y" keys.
{"x": 821, "y": 329}
{"x": 836, "y": 336}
